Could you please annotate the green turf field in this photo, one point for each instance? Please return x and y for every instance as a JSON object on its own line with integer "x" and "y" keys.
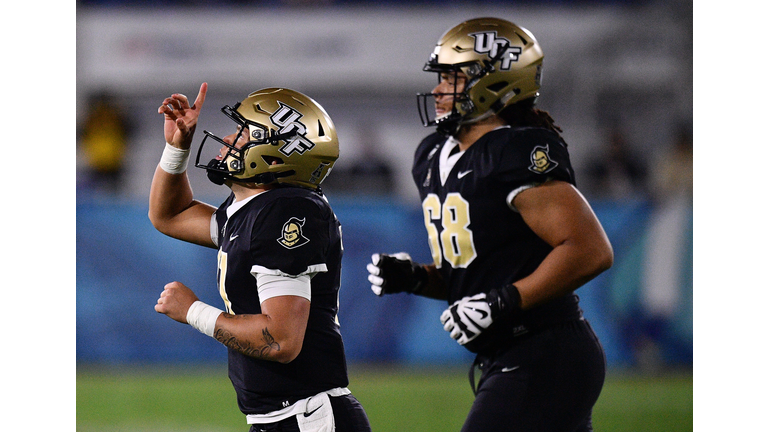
{"x": 198, "y": 399}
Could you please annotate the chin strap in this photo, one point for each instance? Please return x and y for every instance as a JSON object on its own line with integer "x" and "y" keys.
{"x": 216, "y": 176}
{"x": 448, "y": 127}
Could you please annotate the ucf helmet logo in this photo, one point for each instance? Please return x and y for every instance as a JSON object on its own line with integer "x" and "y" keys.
{"x": 292, "y": 234}
{"x": 287, "y": 118}
{"x": 541, "y": 163}
{"x": 489, "y": 43}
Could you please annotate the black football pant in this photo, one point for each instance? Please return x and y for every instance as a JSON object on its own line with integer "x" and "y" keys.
{"x": 548, "y": 381}
{"x": 348, "y": 415}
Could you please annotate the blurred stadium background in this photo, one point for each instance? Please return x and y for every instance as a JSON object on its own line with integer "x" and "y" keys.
{"x": 618, "y": 78}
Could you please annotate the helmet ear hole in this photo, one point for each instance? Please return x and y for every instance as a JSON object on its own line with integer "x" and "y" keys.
{"x": 522, "y": 38}
{"x": 320, "y": 130}
{"x": 497, "y": 87}
{"x": 272, "y": 160}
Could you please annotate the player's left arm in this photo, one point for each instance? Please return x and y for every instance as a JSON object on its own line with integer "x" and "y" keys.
{"x": 277, "y": 334}
{"x": 558, "y": 213}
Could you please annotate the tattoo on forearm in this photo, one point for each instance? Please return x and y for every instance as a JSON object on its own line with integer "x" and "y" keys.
{"x": 264, "y": 350}
{"x": 269, "y": 343}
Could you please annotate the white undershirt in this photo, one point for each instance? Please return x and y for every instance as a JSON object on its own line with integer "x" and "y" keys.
{"x": 513, "y": 194}
{"x": 448, "y": 160}
{"x": 271, "y": 285}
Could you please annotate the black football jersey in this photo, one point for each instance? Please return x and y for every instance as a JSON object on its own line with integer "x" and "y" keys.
{"x": 478, "y": 242}
{"x": 284, "y": 231}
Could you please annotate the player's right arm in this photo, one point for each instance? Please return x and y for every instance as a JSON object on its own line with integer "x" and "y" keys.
{"x": 435, "y": 287}
{"x": 389, "y": 274}
{"x": 172, "y": 208}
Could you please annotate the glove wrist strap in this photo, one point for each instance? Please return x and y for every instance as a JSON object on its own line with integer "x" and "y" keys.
{"x": 504, "y": 302}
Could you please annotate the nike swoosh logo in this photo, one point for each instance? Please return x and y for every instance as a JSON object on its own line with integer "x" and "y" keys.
{"x": 232, "y": 237}
{"x": 483, "y": 314}
{"x": 463, "y": 173}
{"x": 307, "y": 414}
{"x": 510, "y": 369}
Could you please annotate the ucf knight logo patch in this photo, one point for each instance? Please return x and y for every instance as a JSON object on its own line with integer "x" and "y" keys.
{"x": 541, "y": 163}
{"x": 292, "y": 235}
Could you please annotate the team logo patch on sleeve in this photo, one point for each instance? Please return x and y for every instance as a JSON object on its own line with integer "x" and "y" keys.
{"x": 292, "y": 235}
{"x": 541, "y": 163}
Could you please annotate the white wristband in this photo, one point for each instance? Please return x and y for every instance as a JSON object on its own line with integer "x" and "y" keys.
{"x": 174, "y": 160}
{"x": 203, "y": 317}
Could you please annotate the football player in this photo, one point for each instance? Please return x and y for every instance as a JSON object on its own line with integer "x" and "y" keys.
{"x": 279, "y": 255}
{"x": 511, "y": 237}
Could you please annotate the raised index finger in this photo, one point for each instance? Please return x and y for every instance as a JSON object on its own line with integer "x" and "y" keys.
{"x": 201, "y": 96}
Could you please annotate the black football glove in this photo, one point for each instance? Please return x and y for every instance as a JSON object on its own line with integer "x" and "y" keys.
{"x": 465, "y": 319}
{"x": 396, "y": 273}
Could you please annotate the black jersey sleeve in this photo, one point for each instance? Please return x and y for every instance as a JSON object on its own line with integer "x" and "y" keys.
{"x": 290, "y": 237}
{"x": 531, "y": 155}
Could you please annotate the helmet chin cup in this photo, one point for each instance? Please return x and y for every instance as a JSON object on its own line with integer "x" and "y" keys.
{"x": 215, "y": 175}
{"x": 448, "y": 127}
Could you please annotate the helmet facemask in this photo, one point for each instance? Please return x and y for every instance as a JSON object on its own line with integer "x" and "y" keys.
{"x": 463, "y": 107}
{"x": 447, "y": 124}
{"x": 232, "y": 164}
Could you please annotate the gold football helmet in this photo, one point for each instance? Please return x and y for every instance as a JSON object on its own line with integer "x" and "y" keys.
{"x": 502, "y": 62}
{"x": 291, "y": 139}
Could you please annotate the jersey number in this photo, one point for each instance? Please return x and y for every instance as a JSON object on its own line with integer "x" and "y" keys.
{"x": 221, "y": 277}
{"x": 455, "y": 243}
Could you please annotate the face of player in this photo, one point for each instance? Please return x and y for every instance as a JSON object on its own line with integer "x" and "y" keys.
{"x": 449, "y": 84}
{"x": 237, "y": 139}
